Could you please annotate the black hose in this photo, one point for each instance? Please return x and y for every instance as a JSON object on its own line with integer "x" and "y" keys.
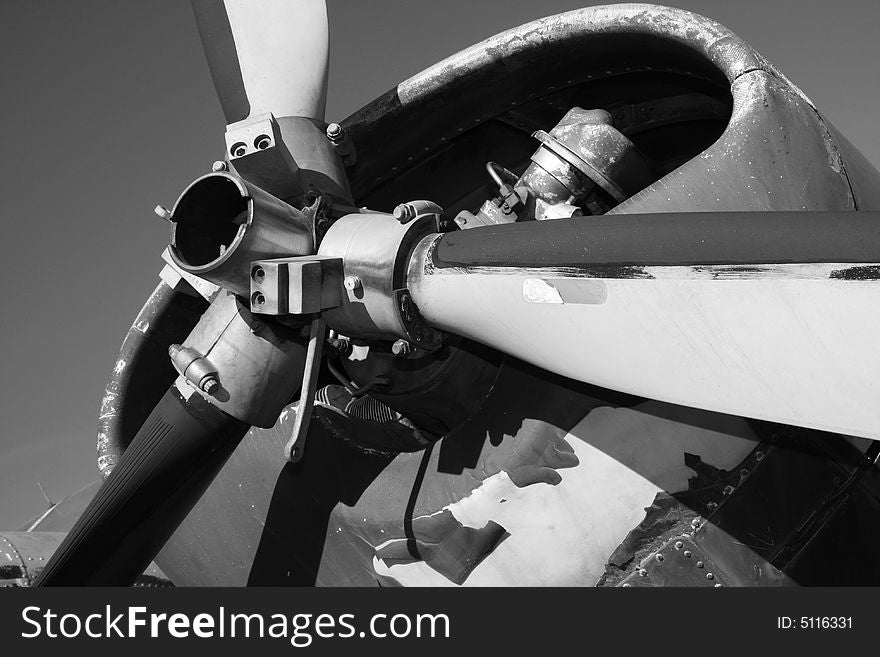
{"x": 174, "y": 457}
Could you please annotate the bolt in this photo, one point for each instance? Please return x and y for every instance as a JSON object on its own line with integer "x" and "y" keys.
{"x": 699, "y": 564}
{"x": 718, "y": 586}
{"x": 209, "y": 384}
{"x": 401, "y": 348}
{"x": 658, "y": 557}
{"x": 678, "y": 545}
{"x": 687, "y": 553}
{"x": 696, "y": 522}
{"x": 759, "y": 456}
{"x": 352, "y": 283}
{"x": 727, "y": 490}
{"x": 710, "y": 576}
{"x": 642, "y": 572}
{"x": 219, "y": 166}
{"x": 404, "y": 213}
{"x": 335, "y": 132}
{"x": 711, "y": 506}
{"x": 163, "y": 213}
{"x": 626, "y": 584}
{"x": 743, "y": 472}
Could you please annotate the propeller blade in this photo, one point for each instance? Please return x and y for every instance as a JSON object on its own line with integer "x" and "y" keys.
{"x": 178, "y": 451}
{"x": 267, "y": 56}
{"x": 763, "y": 315}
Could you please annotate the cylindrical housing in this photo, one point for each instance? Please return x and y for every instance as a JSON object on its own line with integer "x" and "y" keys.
{"x": 259, "y": 363}
{"x": 222, "y": 223}
{"x": 375, "y": 250}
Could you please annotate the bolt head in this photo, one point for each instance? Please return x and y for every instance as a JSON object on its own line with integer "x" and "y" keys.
{"x": 401, "y": 348}
{"x": 334, "y": 131}
{"x": 219, "y": 166}
{"x": 209, "y": 385}
{"x": 352, "y": 283}
{"x": 687, "y": 553}
{"x": 678, "y": 545}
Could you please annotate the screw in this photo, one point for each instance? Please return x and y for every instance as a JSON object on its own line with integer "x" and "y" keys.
{"x": 678, "y": 545}
{"x": 743, "y": 472}
{"x": 262, "y": 142}
{"x": 696, "y": 522}
{"x": 209, "y": 384}
{"x": 759, "y": 456}
{"x": 642, "y": 572}
{"x": 238, "y": 149}
{"x": 404, "y": 213}
{"x": 626, "y": 584}
{"x": 687, "y": 553}
{"x": 401, "y": 348}
{"x": 727, "y": 490}
{"x": 352, "y": 283}
{"x": 718, "y": 586}
{"x": 219, "y": 166}
{"x": 711, "y": 506}
{"x": 710, "y": 576}
{"x": 258, "y": 274}
{"x": 699, "y": 564}
{"x": 658, "y": 557}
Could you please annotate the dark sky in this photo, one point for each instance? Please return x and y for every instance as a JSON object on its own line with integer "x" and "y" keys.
{"x": 108, "y": 109}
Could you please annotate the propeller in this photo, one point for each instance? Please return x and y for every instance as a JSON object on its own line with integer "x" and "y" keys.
{"x": 265, "y": 58}
{"x": 759, "y": 314}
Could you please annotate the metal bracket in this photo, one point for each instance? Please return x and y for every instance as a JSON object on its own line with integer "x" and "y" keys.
{"x": 296, "y": 286}
{"x": 258, "y": 153}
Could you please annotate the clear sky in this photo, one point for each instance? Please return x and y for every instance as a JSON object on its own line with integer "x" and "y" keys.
{"x": 108, "y": 109}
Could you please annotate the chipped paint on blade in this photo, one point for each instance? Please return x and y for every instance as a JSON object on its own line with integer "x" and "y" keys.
{"x": 561, "y": 290}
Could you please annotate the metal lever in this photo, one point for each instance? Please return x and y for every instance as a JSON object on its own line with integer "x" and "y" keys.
{"x": 295, "y": 447}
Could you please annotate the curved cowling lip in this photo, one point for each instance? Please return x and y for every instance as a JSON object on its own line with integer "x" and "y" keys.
{"x": 413, "y": 121}
{"x": 483, "y": 73}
